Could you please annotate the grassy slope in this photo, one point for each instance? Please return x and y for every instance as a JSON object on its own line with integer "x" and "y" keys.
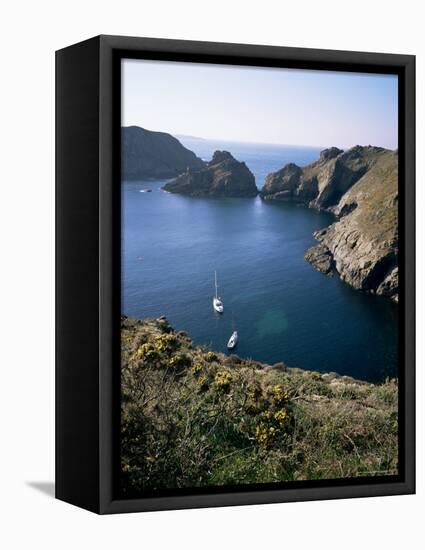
{"x": 191, "y": 417}
{"x": 376, "y": 193}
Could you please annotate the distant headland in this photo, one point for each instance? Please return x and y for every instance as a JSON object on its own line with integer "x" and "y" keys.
{"x": 153, "y": 155}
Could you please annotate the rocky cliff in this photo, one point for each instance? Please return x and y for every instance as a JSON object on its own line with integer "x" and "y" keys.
{"x": 360, "y": 186}
{"x": 223, "y": 176}
{"x": 146, "y": 154}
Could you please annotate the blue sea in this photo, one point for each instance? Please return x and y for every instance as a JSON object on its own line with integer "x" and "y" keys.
{"x": 283, "y": 309}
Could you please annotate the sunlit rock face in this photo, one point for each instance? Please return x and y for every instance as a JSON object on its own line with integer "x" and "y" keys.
{"x": 223, "y": 176}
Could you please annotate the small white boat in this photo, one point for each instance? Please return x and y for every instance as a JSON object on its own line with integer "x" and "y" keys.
{"x": 217, "y": 303}
{"x": 233, "y": 340}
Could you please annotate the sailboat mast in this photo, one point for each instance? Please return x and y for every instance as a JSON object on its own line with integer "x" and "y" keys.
{"x": 215, "y": 279}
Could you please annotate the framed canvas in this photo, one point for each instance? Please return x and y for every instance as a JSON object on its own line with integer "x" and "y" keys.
{"x": 235, "y": 274}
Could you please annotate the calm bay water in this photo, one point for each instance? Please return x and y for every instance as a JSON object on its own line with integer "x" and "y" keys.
{"x": 283, "y": 309}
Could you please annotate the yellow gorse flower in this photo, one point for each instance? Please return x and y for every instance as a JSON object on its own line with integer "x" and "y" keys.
{"x": 197, "y": 368}
{"x": 145, "y": 352}
{"x": 223, "y": 378}
{"x": 165, "y": 342}
{"x": 265, "y": 434}
{"x": 278, "y": 393}
{"x": 280, "y": 416}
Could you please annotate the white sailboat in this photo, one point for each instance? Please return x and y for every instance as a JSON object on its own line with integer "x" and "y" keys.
{"x": 217, "y": 303}
{"x": 233, "y": 340}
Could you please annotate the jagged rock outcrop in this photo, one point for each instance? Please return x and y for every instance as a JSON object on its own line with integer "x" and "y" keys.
{"x": 360, "y": 186}
{"x": 320, "y": 256}
{"x": 157, "y": 155}
{"x": 322, "y": 183}
{"x": 223, "y": 176}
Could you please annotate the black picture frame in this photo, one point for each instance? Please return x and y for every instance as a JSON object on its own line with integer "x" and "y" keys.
{"x": 88, "y": 268}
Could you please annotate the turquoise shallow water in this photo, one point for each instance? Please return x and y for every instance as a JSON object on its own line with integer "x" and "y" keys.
{"x": 283, "y": 309}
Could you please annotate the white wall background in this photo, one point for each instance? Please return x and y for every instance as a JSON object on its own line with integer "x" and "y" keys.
{"x": 30, "y": 32}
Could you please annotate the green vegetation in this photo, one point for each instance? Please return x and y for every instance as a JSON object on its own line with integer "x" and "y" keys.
{"x": 193, "y": 418}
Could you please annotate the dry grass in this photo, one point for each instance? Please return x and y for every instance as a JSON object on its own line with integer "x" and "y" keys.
{"x": 192, "y": 418}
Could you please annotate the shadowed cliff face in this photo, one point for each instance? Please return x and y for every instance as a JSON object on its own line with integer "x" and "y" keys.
{"x": 360, "y": 186}
{"x": 146, "y": 154}
{"x": 223, "y": 176}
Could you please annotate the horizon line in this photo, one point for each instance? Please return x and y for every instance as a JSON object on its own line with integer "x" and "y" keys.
{"x": 178, "y": 135}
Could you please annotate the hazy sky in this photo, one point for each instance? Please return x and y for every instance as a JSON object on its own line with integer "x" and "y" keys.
{"x": 262, "y": 105}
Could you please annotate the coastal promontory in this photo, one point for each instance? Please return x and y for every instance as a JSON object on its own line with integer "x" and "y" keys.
{"x": 154, "y": 155}
{"x": 223, "y": 176}
{"x": 360, "y": 187}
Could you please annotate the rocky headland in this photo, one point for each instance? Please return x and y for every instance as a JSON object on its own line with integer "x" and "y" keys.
{"x": 157, "y": 155}
{"x": 360, "y": 187}
{"x": 223, "y": 176}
